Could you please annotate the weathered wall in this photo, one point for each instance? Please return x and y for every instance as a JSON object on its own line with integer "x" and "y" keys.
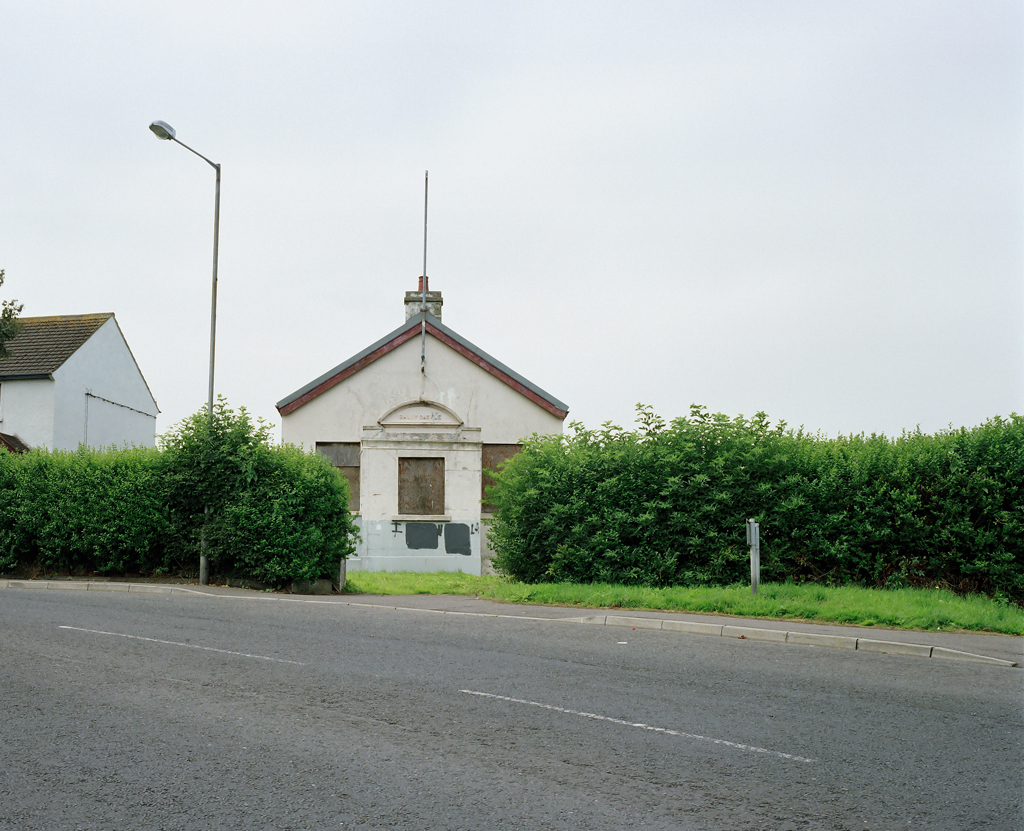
{"x": 378, "y": 407}
{"x": 393, "y": 541}
{"x": 480, "y": 399}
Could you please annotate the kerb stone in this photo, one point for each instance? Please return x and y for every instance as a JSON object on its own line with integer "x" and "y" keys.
{"x": 752, "y": 633}
{"x": 634, "y": 622}
{"x": 918, "y": 650}
{"x": 692, "y": 627}
{"x": 956, "y": 655}
{"x": 814, "y": 639}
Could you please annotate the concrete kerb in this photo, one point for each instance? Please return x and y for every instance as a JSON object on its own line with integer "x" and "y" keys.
{"x": 753, "y": 634}
{"x": 803, "y": 638}
{"x": 814, "y": 639}
{"x": 957, "y": 655}
{"x": 679, "y": 626}
{"x": 633, "y": 622}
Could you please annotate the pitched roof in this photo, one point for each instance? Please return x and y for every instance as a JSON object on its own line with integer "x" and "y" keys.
{"x": 44, "y": 343}
{"x": 12, "y": 443}
{"x": 408, "y": 330}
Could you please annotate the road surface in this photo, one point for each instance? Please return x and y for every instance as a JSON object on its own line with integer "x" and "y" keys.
{"x": 136, "y": 711}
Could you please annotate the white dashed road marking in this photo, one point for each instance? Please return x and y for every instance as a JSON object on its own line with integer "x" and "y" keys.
{"x": 746, "y": 747}
{"x": 188, "y": 645}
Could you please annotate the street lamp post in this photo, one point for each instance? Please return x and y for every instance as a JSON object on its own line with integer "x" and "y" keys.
{"x": 163, "y": 130}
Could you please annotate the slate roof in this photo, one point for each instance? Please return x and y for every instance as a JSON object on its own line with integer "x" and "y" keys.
{"x": 45, "y": 343}
{"x": 411, "y": 329}
{"x": 13, "y": 444}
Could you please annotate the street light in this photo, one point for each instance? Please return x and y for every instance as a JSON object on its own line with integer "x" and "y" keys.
{"x": 163, "y": 130}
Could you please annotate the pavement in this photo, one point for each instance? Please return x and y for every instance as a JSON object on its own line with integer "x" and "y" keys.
{"x": 985, "y": 648}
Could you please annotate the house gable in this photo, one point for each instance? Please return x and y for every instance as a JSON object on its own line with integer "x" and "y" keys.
{"x": 409, "y": 427}
{"x": 406, "y": 332}
{"x": 72, "y": 379}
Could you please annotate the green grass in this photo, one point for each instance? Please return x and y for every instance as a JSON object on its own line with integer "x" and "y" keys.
{"x": 922, "y": 609}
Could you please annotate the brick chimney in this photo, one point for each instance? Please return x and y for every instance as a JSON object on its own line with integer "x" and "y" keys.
{"x": 414, "y": 301}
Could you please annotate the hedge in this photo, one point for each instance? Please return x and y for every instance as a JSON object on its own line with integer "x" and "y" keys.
{"x": 666, "y": 505}
{"x": 276, "y": 514}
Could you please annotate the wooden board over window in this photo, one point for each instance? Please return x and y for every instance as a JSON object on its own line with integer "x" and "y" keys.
{"x": 344, "y": 455}
{"x": 420, "y": 486}
{"x": 493, "y": 455}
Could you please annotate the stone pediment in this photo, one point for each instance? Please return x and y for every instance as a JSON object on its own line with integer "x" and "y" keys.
{"x": 417, "y": 415}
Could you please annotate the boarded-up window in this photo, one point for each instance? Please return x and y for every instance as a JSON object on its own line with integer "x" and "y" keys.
{"x": 420, "y": 486}
{"x": 344, "y": 455}
{"x": 491, "y": 459}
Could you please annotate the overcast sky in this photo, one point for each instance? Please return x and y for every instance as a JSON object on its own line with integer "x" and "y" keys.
{"x": 812, "y": 209}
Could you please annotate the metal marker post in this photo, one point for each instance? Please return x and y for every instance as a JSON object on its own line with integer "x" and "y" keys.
{"x": 754, "y": 541}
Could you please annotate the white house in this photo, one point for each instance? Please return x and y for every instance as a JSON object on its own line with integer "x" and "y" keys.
{"x": 412, "y": 421}
{"x": 71, "y": 380}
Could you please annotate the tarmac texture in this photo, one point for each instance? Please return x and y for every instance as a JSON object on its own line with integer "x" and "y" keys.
{"x": 983, "y": 648}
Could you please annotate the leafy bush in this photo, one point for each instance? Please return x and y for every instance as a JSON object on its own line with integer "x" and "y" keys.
{"x": 665, "y": 505}
{"x": 276, "y": 514}
{"x": 270, "y": 513}
{"x": 291, "y": 523}
{"x": 87, "y": 511}
{"x": 16, "y": 544}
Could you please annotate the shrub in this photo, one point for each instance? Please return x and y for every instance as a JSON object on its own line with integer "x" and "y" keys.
{"x": 665, "y": 505}
{"x": 276, "y": 514}
{"x": 87, "y": 511}
{"x": 291, "y": 523}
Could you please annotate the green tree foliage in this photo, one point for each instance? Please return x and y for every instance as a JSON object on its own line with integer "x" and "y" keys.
{"x": 208, "y": 462}
{"x": 82, "y": 512}
{"x": 277, "y": 514}
{"x": 665, "y": 505}
{"x": 10, "y": 324}
{"x": 274, "y": 513}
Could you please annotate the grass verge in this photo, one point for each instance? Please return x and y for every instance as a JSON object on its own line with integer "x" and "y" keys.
{"x": 921, "y": 609}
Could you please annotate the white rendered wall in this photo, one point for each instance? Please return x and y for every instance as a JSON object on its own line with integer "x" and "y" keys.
{"x": 504, "y": 415}
{"x": 26, "y": 410}
{"x": 104, "y": 367}
{"x": 384, "y": 545}
{"x": 490, "y": 411}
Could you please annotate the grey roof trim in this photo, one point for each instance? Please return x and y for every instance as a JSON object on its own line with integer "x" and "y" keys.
{"x": 38, "y": 376}
{"x": 414, "y": 323}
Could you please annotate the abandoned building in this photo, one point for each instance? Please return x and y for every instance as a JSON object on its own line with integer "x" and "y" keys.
{"x": 412, "y": 421}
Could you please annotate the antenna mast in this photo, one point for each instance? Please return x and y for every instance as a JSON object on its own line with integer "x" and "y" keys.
{"x": 423, "y": 280}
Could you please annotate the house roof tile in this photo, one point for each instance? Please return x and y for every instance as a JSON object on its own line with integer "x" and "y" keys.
{"x": 44, "y": 343}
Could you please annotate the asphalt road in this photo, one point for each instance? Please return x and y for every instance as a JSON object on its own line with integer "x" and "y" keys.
{"x": 125, "y": 711}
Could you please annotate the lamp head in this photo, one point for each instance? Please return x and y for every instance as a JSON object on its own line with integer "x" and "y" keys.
{"x": 162, "y": 130}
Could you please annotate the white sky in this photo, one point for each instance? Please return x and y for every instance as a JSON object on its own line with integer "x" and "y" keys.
{"x": 808, "y": 208}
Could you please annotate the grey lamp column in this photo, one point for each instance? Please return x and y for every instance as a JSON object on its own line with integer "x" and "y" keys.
{"x": 163, "y": 130}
